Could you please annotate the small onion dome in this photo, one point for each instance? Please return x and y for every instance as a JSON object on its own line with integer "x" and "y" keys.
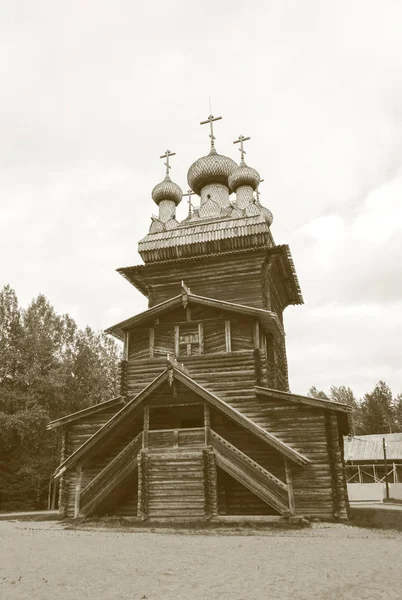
{"x": 269, "y": 217}
{"x": 213, "y": 168}
{"x": 167, "y": 190}
{"x": 244, "y": 175}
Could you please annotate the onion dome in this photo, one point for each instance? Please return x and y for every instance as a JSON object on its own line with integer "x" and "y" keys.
{"x": 269, "y": 217}
{"x": 210, "y": 169}
{"x": 244, "y": 175}
{"x": 167, "y": 190}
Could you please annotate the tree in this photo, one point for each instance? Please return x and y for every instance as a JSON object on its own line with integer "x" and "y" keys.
{"x": 377, "y": 410}
{"x": 48, "y": 368}
{"x": 345, "y": 395}
{"x": 315, "y": 393}
{"x": 398, "y": 412}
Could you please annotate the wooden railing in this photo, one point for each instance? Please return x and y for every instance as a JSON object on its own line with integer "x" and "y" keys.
{"x": 243, "y": 468}
{"x": 110, "y": 476}
{"x": 176, "y": 438}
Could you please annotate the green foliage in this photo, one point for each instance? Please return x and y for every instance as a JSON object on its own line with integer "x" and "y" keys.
{"x": 48, "y": 368}
{"x": 316, "y": 393}
{"x": 376, "y": 412}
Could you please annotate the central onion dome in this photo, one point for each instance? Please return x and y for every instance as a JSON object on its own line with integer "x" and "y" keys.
{"x": 244, "y": 175}
{"x": 167, "y": 190}
{"x": 211, "y": 169}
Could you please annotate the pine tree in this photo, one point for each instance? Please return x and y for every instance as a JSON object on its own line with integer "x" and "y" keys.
{"x": 316, "y": 393}
{"x": 48, "y": 368}
{"x": 377, "y": 410}
{"x": 345, "y": 395}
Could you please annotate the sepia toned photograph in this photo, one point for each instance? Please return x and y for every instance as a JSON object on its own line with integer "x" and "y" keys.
{"x": 201, "y": 300}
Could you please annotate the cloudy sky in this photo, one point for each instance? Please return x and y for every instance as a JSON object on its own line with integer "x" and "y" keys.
{"x": 92, "y": 92}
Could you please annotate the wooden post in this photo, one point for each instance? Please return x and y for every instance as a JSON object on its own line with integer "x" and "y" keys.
{"x": 289, "y": 482}
{"x": 77, "y": 490}
{"x": 201, "y": 337}
{"x": 256, "y": 335}
{"x": 207, "y": 423}
{"x": 62, "y": 484}
{"x": 228, "y": 337}
{"x": 151, "y": 342}
{"x": 384, "y": 447}
{"x": 360, "y": 474}
{"x": 188, "y": 313}
{"x": 53, "y": 504}
{"x": 49, "y": 493}
{"x": 126, "y": 342}
{"x": 176, "y": 438}
{"x": 176, "y": 340}
{"x": 146, "y": 427}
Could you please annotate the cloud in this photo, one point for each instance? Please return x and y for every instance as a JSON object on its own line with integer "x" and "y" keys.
{"x": 92, "y": 94}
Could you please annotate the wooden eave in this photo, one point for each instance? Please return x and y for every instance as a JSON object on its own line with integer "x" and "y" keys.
{"x": 343, "y": 411}
{"x": 268, "y": 319}
{"x": 137, "y": 274}
{"x": 85, "y": 412}
{"x": 296, "y": 398}
{"x": 289, "y": 270}
{"x": 170, "y": 373}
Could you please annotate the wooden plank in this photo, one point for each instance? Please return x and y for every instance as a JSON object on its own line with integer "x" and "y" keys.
{"x": 146, "y": 427}
{"x": 151, "y": 342}
{"x": 207, "y": 423}
{"x": 201, "y": 337}
{"x": 228, "y": 339}
{"x": 77, "y": 490}
{"x": 289, "y": 482}
{"x": 126, "y": 344}
{"x": 256, "y": 334}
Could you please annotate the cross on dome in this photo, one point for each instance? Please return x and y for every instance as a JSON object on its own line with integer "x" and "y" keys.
{"x": 190, "y": 204}
{"x": 241, "y": 141}
{"x": 167, "y": 155}
{"x": 210, "y": 120}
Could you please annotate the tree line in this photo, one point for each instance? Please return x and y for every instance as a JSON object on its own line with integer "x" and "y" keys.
{"x": 49, "y": 367}
{"x": 377, "y": 412}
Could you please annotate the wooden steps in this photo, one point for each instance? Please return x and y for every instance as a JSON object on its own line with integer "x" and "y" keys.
{"x": 176, "y": 484}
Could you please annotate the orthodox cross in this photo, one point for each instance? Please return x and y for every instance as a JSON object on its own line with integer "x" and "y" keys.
{"x": 241, "y": 141}
{"x": 190, "y": 204}
{"x": 167, "y": 155}
{"x": 210, "y": 120}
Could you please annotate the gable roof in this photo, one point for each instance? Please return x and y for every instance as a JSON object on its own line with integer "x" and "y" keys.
{"x": 268, "y": 319}
{"x": 174, "y": 372}
{"x": 90, "y": 410}
{"x": 344, "y": 410}
{"x": 319, "y": 402}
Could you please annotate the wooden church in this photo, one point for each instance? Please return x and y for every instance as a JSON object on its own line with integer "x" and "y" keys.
{"x": 205, "y": 426}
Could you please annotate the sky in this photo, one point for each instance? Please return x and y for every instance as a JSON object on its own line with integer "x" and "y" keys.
{"x": 93, "y": 92}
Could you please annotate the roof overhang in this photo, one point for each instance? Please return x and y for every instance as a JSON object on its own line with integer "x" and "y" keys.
{"x": 172, "y": 372}
{"x": 85, "y": 412}
{"x": 343, "y": 410}
{"x": 268, "y": 319}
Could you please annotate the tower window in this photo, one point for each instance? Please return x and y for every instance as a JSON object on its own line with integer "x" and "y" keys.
{"x": 187, "y": 339}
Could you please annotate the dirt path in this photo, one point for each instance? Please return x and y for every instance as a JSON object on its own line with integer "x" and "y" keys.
{"x": 45, "y": 561}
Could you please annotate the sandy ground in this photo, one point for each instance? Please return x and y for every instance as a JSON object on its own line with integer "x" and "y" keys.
{"x": 43, "y": 561}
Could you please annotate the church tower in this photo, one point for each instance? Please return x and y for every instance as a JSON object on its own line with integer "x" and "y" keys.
{"x": 205, "y": 425}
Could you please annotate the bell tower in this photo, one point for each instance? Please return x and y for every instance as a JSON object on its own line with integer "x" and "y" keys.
{"x": 223, "y": 249}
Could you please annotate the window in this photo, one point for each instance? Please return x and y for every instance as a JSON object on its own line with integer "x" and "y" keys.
{"x": 188, "y": 339}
